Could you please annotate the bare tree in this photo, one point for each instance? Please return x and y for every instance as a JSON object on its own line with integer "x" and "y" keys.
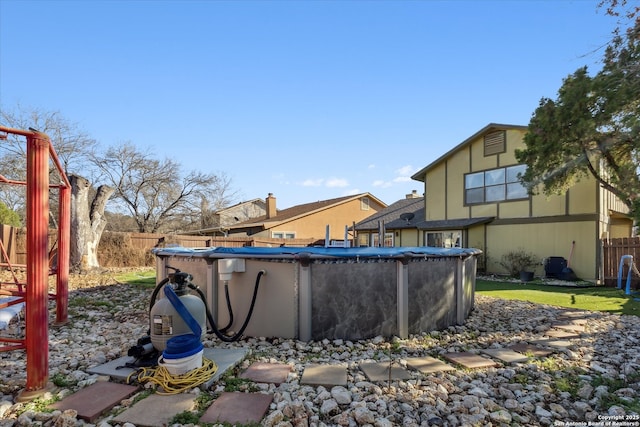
{"x": 156, "y": 193}
{"x": 87, "y": 223}
{"x": 71, "y": 144}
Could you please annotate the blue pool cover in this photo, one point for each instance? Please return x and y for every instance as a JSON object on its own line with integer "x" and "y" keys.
{"x": 313, "y": 251}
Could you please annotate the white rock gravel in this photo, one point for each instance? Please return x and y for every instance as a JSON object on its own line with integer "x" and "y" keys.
{"x": 595, "y": 379}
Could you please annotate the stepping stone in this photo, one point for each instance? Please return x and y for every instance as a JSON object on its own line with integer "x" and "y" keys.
{"x": 575, "y": 320}
{"x": 557, "y": 333}
{"x": 237, "y": 408}
{"x": 92, "y": 401}
{"x": 260, "y": 372}
{"x": 380, "y": 371}
{"x": 225, "y": 358}
{"x": 530, "y": 349}
{"x": 156, "y": 409}
{"x": 569, "y": 326}
{"x": 324, "y": 375}
{"x": 428, "y": 364}
{"x": 560, "y": 344}
{"x": 506, "y": 355}
{"x": 469, "y": 360}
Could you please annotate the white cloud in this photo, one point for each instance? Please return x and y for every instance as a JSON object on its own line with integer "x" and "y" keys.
{"x": 399, "y": 179}
{"x": 406, "y": 171}
{"x": 337, "y": 182}
{"x": 352, "y": 192}
{"x": 371, "y": 166}
{"x": 382, "y": 184}
{"x": 312, "y": 182}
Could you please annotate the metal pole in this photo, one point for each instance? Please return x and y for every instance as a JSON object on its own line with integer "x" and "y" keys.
{"x": 37, "y": 316}
{"x": 64, "y": 237}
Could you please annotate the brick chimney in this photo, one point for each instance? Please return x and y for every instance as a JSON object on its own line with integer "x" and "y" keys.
{"x": 414, "y": 195}
{"x": 271, "y": 206}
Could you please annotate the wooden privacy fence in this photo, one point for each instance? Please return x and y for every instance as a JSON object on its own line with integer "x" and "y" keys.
{"x": 14, "y": 243}
{"x": 154, "y": 240}
{"x": 612, "y": 252}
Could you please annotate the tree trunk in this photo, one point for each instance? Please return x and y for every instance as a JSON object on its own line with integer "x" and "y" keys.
{"x": 87, "y": 224}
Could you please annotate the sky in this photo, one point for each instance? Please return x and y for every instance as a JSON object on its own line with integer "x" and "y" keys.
{"x": 308, "y": 100}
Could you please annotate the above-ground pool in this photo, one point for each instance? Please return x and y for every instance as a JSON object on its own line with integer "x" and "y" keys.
{"x": 313, "y": 293}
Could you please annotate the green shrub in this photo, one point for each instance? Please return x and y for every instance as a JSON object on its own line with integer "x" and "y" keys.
{"x": 519, "y": 260}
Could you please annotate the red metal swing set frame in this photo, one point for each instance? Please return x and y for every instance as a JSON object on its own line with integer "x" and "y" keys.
{"x": 34, "y": 293}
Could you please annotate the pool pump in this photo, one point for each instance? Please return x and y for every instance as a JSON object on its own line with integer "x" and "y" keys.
{"x": 180, "y": 313}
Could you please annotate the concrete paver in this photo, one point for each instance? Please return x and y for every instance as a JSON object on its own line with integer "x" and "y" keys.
{"x": 273, "y": 373}
{"x": 559, "y": 344}
{"x": 531, "y": 349}
{"x": 557, "y": 333}
{"x": 94, "y": 400}
{"x": 469, "y": 360}
{"x": 569, "y": 326}
{"x": 383, "y": 371}
{"x": 325, "y": 375}
{"x": 157, "y": 410}
{"x": 505, "y": 355}
{"x": 225, "y": 358}
{"x": 428, "y": 364}
{"x": 237, "y": 408}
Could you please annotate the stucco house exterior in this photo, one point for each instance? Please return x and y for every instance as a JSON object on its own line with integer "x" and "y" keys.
{"x": 473, "y": 199}
{"x": 309, "y": 220}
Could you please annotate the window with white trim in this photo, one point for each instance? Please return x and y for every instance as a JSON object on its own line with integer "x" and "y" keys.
{"x": 444, "y": 239}
{"x": 283, "y": 234}
{"x": 495, "y": 185}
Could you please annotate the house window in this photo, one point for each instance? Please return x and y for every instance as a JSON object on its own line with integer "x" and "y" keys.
{"x": 363, "y": 239}
{"x": 495, "y": 143}
{"x": 387, "y": 243}
{"x": 364, "y": 204}
{"x": 283, "y": 234}
{"x": 495, "y": 185}
{"x": 444, "y": 239}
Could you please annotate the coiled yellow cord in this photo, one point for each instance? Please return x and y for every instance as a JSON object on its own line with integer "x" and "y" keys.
{"x": 174, "y": 384}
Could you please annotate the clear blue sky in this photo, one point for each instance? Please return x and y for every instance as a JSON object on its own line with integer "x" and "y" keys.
{"x": 308, "y": 100}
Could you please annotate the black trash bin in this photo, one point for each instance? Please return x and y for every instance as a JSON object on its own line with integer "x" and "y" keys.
{"x": 554, "y": 267}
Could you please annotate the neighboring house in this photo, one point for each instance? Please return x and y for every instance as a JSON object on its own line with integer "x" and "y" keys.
{"x": 397, "y": 222}
{"x": 474, "y": 199}
{"x": 310, "y": 220}
{"x": 219, "y": 221}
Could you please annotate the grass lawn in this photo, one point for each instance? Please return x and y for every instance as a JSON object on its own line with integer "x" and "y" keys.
{"x": 145, "y": 279}
{"x": 596, "y": 298}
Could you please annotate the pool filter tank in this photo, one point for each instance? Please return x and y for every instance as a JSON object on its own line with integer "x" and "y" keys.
{"x": 166, "y": 320}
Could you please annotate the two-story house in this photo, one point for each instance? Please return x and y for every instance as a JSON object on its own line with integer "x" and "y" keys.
{"x": 473, "y": 198}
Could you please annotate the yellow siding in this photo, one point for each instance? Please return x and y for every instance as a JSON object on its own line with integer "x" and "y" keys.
{"x": 517, "y": 209}
{"x": 476, "y": 238}
{"x": 514, "y": 141}
{"x": 548, "y": 205}
{"x": 407, "y": 238}
{"x": 457, "y": 166}
{"x": 544, "y": 240}
{"x": 583, "y": 197}
{"x": 478, "y": 211}
{"x": 435, "y": 193}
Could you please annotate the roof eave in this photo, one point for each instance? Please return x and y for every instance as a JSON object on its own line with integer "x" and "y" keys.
{"x": 421, "y": 174}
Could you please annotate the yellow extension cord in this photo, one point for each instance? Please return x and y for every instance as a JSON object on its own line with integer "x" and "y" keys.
{"x": 174, "y": 384}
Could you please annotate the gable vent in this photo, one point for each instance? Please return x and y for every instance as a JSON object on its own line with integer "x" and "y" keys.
{"x": 495, "y": 143}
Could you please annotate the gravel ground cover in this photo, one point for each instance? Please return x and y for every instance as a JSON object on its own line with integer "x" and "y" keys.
{"x": 593, "y": 380}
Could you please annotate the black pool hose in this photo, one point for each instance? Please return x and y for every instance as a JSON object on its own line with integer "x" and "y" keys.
{"x": 219, "y": 332}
